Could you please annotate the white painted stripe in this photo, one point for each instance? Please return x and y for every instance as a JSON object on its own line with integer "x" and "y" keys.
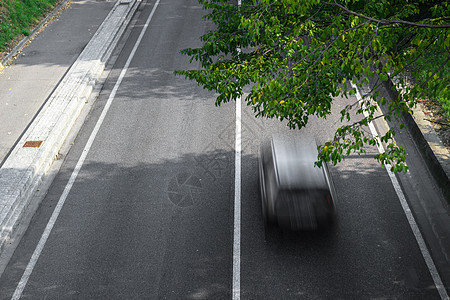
{"x": 237, "y": 204}
{"x": 412, "y": 222}
{"x": 237, "y": 208}
{"x": 37, "y": 252}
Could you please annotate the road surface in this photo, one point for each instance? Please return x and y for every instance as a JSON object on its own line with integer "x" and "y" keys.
{"x": 151, "y": 213}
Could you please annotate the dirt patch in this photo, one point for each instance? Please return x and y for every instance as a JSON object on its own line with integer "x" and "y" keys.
{"x": 441, "y": 124}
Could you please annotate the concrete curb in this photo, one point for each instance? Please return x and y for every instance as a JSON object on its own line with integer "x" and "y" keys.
{"x": 33, "y": 33}
{"x": 432, "y": 149}
{"x": 24, "y": 169}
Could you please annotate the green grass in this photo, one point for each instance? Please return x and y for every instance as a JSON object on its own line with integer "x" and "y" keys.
{"x": 18, "y": 17}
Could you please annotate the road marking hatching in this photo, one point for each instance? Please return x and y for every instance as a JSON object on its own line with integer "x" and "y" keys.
{"x": 412, "y": 222}
{"x": 37, "y": 252}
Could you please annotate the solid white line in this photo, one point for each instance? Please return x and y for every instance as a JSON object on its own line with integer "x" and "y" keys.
{"x": 412, "y": 222}
{"x": 236, "y": 288}
{"x": 37, "y": 252}
{"x": 237, "y": 208}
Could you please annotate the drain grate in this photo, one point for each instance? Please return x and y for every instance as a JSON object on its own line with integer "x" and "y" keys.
{"x": 32, "y": 144}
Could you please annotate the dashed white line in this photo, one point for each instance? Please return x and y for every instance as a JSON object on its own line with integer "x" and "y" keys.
{"x": 412, "y": 222}
{"x": 37, "y": 252}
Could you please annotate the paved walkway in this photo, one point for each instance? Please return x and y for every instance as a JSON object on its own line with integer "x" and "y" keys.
{"x": 28, "y": 82}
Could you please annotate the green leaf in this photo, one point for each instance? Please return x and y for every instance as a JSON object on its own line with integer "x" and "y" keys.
{"x": 303, "y": 53}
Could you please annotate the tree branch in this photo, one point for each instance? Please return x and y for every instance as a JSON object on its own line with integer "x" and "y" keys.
{"x": 440, "y": 67}
{"x": 439, "y": 123}
{"x": 385, "y": 22}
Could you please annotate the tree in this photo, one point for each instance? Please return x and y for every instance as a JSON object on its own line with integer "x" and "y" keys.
{"x": 294, "y": 56}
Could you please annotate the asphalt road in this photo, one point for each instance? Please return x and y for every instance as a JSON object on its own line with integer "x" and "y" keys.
{"x": 151, "y": 213}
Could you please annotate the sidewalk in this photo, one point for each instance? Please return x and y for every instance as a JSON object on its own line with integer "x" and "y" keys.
{"x": 32, "y": 76}
{"x": 43, "y": 91}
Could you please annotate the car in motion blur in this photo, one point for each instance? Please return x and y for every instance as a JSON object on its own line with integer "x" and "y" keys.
{"x": 296, "y": 195}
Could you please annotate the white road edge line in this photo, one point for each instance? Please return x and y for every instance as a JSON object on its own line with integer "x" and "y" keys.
{"x": 37, "y": 252}
{"x": 412, "y": 222}
{"x": 237, "y": 208}
{"x": 236, "y": 288}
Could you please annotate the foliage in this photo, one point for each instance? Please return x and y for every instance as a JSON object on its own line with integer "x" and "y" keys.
{"x": 423, "y": 67}
{"x": 298, "y": 55}
{"x": 18, "y": 16}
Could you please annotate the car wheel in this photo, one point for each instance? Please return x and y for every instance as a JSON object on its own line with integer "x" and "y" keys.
{"x": 267, "y": 224}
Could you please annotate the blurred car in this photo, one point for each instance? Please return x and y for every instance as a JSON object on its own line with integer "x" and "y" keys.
{"x": 296, "y": 194}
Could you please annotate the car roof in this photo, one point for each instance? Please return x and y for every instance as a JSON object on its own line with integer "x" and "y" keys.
{"x": 294, "y": 159}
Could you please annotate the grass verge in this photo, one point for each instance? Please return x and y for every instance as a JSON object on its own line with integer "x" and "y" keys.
{"x": 18, "y": 17}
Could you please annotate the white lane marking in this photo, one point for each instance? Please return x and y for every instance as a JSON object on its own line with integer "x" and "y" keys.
{"x": 412, "y": 222}
{"x": 37, "y": 252}
{"x": 237, "y": 204}
{"x": 237, "y": 208}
